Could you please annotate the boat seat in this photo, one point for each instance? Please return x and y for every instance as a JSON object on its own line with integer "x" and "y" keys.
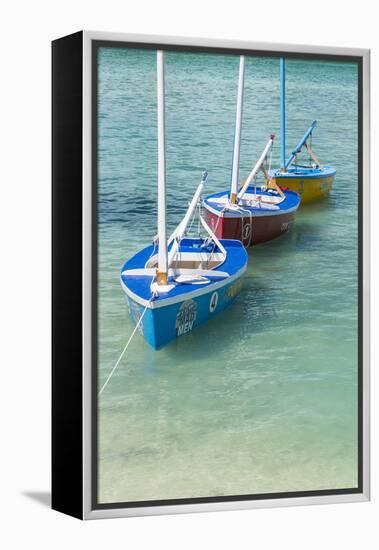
{"x": 191, "y": 264}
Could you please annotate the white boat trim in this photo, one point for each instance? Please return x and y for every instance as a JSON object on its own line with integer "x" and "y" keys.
{"x": 252, "y": 200}
{"x": 151, "y": 272}
{"x": 258, "y": 212}
{"x": 183, "y": 297}
{"x": 276, "y": 198}
{"x": 224, "y": 199}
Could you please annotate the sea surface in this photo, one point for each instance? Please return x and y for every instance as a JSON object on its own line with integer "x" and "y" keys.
{"x": 263, "y": 398}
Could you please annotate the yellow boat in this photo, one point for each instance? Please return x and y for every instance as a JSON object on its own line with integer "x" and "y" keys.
{"x": 313, "y": 181}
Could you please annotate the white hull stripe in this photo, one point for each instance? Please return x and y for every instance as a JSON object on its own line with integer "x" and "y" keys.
{"x": 150, "y": 272}
{"x": 255, "y": 214}
{"x": 182, "y": 297}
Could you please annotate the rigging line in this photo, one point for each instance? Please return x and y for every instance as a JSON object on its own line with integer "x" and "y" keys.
{"x": 188, "y": 231}
{"x": 152, "y": 252}
{"x": 209, "y": 239}
{"x": 125, "y": 348}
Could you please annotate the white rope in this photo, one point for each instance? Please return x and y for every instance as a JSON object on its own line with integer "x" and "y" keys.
{"x": 250, "y": 225}
{"x": 125, "y": 348}
{"x": 155, "y": 242}
{"x": 209, "y": 239}
{"x": 188, "y": 231}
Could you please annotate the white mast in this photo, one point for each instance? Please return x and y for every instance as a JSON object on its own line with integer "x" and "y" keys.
{"x": 162, "y": 239}
{"x": 237, "y": 132}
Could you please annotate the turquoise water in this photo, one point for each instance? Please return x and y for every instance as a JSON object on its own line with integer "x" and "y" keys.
{"x": 264, "y": 398}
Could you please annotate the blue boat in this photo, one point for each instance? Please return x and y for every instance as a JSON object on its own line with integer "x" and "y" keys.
{"x": 204, "y": 280}
{"x": 177, "y": 284}
{"x": 311, "y": 181}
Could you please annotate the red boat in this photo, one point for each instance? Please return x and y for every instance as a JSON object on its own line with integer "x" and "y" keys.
{"x": 251, "y": 225}
{"x": 258, "y": 213}
{"x": 253, "y": 214}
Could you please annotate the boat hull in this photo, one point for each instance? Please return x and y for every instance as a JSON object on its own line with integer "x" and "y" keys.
{"x": 250, "y": 230}
{"x": 260, "y": 215}
{"x": 310, "y": 190}
{"x": 195, "y": 294}
{"x": 311, "y": 186}
{"x": 162, "y": 325}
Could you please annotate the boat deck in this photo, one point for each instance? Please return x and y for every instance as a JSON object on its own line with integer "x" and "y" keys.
{"x": 271, "y": 203}
{"x": 139, "y": 286}
{"x": 307, "y": 172}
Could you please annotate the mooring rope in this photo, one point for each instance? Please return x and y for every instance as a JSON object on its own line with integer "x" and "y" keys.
{"x": 126, "y": 347}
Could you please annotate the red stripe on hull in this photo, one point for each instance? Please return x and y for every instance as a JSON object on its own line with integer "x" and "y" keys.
{"x": 264, "y": 228}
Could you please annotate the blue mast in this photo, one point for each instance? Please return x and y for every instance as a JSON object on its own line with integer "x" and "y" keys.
{"x": 298, "y": 147}
{"x": 283, "y": 113}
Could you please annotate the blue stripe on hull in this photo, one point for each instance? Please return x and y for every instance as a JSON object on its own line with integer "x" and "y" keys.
{"x": 162, "y": 325}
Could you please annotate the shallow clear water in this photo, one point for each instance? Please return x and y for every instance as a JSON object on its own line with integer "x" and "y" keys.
{"x": 264, "y": 398}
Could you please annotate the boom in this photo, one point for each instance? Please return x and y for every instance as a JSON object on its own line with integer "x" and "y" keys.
{"x": 257, "y": 167}
{"x": 299, "y": 146}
